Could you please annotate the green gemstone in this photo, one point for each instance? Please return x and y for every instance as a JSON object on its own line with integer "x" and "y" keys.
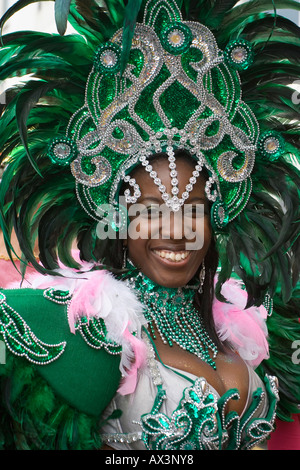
{"x": 176, "y": 38}
{"x": 62, "y": 151}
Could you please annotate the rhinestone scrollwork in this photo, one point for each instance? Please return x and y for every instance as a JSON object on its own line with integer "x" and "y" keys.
{"x": 219, "y": 215}
{"x": 177, "y": 91}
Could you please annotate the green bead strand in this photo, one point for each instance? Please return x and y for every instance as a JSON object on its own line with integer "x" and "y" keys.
{"x": 172, "y": 312}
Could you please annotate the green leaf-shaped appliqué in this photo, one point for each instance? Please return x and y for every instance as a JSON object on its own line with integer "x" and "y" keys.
{"x": 58, "y": 296}
{"x": 94, "y": 333}
{"x": 20, "y": 339}
{"x": 92, "y": 330}
{"x": 192, "y": 425}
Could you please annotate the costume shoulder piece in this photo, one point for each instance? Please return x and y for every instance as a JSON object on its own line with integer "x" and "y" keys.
{"x": 63, "y": 354}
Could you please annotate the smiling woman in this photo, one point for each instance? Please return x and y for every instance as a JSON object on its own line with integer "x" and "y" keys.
{"x": 169, "y": 280}
{"x": 150, "y": 158}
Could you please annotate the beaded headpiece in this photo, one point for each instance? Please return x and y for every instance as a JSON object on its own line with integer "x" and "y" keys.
{"x": 177, "y": 91}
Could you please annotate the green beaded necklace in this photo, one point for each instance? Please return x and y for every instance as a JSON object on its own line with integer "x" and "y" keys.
{"x": 175, "y": 317}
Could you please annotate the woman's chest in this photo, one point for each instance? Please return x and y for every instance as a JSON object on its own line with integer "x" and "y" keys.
{"x": 230, "y": 372}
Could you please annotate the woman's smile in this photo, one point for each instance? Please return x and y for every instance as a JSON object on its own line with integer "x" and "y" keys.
{"x": 172, "y": 257}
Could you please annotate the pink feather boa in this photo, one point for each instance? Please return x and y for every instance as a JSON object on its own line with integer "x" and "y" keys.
{"x": 244, "y": 329}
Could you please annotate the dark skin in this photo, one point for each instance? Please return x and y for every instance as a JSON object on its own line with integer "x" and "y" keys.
{"x": 150, "y": 256}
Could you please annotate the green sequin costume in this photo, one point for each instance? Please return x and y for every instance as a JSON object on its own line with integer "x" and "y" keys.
{"x": 60, "y": 388}
{"x": 216, "y": 78}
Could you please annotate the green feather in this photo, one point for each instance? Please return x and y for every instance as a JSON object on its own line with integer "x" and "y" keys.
{"x": 26, "y": 101}
{"x": 17, "y": 6}
{"x": 62, "y": 8}
{"x": 46, "y": 422}
{"x": 131, "y": 13}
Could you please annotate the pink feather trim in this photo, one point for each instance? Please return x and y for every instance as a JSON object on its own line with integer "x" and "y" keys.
{"x": 139, "y": 349}
{"x": 85, "y": 300}
{"x": 244, "y": 329}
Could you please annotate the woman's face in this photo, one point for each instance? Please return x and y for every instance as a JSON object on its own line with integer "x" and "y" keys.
{"x": 168, "y": 247}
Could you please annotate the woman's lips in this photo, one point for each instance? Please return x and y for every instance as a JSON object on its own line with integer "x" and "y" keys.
{"x": 172, "y": 256}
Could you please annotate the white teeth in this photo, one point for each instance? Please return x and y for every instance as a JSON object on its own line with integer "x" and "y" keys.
{"x": 172, "y": 255}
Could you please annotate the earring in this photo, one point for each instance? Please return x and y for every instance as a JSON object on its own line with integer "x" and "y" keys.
{"x": 124, "y": 264}
{"x": 201, "y": 278}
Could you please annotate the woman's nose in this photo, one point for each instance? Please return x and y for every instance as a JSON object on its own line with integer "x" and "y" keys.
{"x": 172, "y": 225}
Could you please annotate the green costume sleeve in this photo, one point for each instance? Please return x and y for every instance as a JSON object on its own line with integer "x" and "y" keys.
{"x": 54, "y": 384}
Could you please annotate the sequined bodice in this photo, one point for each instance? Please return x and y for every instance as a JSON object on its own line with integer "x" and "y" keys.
{"x": 172, "y": 410}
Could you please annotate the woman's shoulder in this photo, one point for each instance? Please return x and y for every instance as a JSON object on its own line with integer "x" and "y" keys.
{"x": 36, "y": 334}
{"x": 76, "y": 331}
